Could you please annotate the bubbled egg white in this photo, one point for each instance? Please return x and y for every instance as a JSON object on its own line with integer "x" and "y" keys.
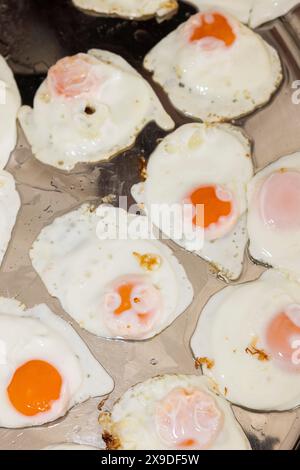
{"x": 173, "y": 412}
{"x": 91, "y": 107}
{"x": 45, "y": 368}
{"x": 214, "y": 68}
{"x": 248, "y": 341}
{"x": 112, "y": 286}
{"x": 10, "y": 102}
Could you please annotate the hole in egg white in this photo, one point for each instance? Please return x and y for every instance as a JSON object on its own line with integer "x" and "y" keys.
{"x": 89, "y": 110}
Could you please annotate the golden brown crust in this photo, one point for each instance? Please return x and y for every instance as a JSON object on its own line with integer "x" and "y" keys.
{"x": 148, "y": 261}
{"x": 111, "y": 442}
{"x": 260, "y": 354}
{"x": 204, "y": 361}
{"x": 143, "y": 168}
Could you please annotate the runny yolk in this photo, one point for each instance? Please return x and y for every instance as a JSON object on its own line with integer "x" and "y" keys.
{"x": 214, "y": 207}
{"x": 34, "y": 387}
{"x": 283, "y": 341}
{"x": 124, "y": 292}
{"x": 216, "y": 26}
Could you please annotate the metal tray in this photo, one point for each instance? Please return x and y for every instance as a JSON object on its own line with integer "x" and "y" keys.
{"x": 34, "y": 34}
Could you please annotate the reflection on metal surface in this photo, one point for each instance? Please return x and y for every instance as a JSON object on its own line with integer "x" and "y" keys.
{"x": 34, "y": 34}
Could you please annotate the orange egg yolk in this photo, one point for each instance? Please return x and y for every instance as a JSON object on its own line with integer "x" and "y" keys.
{"x": 214, "y": 26}
{"x": 280, "y": 337}
{"x": 214, "y": 207}
{"x": 125, "y": 293}
{"x": 34, "y": 387}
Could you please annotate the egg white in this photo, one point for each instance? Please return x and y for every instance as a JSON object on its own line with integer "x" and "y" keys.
{"x": 132, "y": 9}
{"x": 220, "y": 84}
{"x": 69, "y": 446}
{"x": 132, "y": 419}
{"x": 228, "y": 324}
{"x": 10, "y": 102}
{"x": 277, "y": 248}
{"x": 62, "y": 134}
{"x": 37, "y": 333}
{"x": 240, "y": 9}
{"x": 252, "y": 12}
{"x": 9, "y": 207}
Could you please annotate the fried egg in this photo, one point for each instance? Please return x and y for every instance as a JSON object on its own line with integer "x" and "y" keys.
{"x": 173, "y": 412}
{"x": 248, "y": 342}
{"x": 45, "y": 368}
{"x": 253, "y": 12}
{"x": 90, "y": 107}
{"x": 112, "y": 286}
{"x": 274, "y": 217}
{"x": 10, "y": 102}
{"x": 214, "y": 68}
{"x": 69, "y": 446}
{"x": 9, "y": 207}
{"x": 132, "y": 9}
{"x": 202, "y": 166}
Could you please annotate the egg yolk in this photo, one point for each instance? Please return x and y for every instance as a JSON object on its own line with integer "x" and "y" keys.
{"x": 283, "y": 341}
{"x": 128, "y": 301}
{"x": 279, "y": 200}
{"x": 72, "y": 76}
{"x": 132, "y": 305}
{"x": 216, "y": 205}
{"x": 34, "y": 387}
{"x": 215, "y": 26}
{"x": 188, "y": 419}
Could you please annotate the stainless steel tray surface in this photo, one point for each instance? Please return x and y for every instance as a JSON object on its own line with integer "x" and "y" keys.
{"x": 33, "y": 35}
